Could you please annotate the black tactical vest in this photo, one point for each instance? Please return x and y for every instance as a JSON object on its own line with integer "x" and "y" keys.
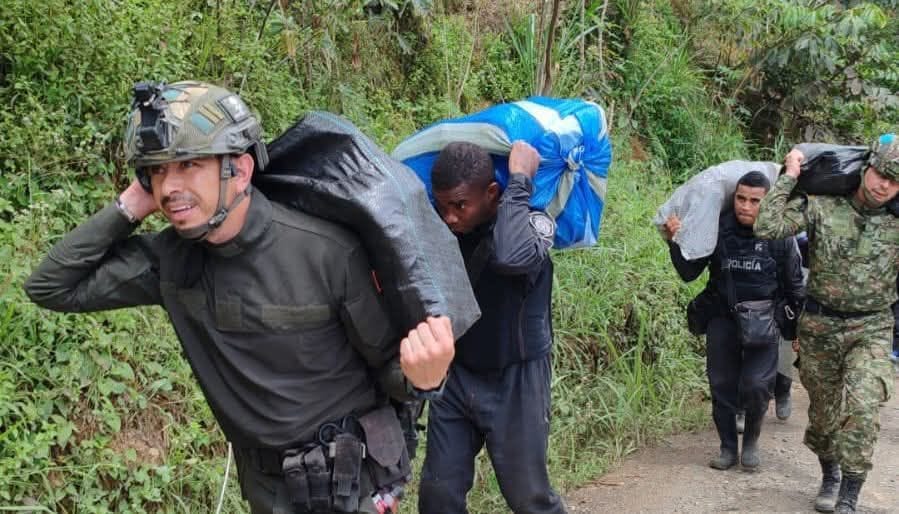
{"x": 750, "y": 262}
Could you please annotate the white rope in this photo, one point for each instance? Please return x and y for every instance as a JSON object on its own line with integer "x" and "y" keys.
{"x": 218, "y": 509}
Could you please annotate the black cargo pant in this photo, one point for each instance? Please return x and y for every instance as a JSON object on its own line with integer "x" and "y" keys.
{"x": 508, "y": 409}
{"x": 738, "y": 377}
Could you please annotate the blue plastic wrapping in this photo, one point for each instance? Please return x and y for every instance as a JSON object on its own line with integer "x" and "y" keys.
{"x": 572, "y": 138}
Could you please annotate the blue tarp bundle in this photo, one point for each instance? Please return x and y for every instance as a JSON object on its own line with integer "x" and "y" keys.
{"x": 573, "y": 141}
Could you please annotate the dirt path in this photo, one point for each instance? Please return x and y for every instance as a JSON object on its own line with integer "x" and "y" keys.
{"x": 674, "y": 476}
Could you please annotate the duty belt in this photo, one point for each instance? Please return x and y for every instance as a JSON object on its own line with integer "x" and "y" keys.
{"x": 265, "y": 460}
{"x": 321, "y": 475}
{"x": 269, "y": 460}
{"x": 815, "y": 307}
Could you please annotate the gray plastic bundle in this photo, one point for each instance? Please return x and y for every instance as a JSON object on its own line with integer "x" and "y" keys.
{"x": 699, "y": 202}
{"x": 325, "y": 166}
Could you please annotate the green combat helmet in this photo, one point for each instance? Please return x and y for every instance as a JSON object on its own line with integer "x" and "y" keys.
{"x": 188, "y": 120}
{"x": 885, "y": 156}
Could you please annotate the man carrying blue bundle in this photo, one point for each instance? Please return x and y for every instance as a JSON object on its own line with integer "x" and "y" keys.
{"x": 498, "y": 390}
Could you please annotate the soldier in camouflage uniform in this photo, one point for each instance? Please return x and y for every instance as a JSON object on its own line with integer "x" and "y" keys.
{"x": 846, "y": 330}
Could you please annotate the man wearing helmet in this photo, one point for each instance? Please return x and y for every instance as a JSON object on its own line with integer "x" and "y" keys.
{"x": 183, "y": 126}
{"x": 845, "y": 331}
{"x": 275, "y": 309}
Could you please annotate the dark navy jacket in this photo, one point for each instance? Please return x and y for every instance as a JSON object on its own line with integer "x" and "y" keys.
{"x": 511, "y": 271}
{"x": 760, "y": 269}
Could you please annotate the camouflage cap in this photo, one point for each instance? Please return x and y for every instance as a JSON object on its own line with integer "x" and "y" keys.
{"x": 196, "y": 120}
{"x": 885, "y": 156}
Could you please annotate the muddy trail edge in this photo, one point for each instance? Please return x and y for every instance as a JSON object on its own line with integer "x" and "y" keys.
{"x": 674, "y": 475}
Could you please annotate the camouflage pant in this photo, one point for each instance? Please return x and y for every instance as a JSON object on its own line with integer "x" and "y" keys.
{"x": 847, "y": 372}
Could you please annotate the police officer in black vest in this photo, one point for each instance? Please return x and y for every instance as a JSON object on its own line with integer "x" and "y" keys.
{"x": 741, "y": 268}
{"x": 498, "y": 389}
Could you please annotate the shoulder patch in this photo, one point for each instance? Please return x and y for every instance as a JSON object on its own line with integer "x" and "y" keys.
{"x": 543, "y": 225}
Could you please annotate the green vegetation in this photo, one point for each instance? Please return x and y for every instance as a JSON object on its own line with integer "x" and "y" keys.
{"x": 812, "y": 70}
{"x": 671, "y": 106}
{"x": 100, "y": 413}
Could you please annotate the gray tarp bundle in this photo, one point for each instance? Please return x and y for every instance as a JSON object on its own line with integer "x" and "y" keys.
{"x": 826, "y": 170}
{"x": 323, "y": 165}
{"x": 699, "y": 202}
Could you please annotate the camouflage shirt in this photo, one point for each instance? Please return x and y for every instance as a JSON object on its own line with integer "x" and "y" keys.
{"x": 853, "y": 249}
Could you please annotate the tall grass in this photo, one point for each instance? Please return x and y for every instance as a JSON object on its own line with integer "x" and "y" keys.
{"x": 524, "y": 38}
{"x": 666, "y": 101}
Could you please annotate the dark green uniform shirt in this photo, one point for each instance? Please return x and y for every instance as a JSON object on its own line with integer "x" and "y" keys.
{"x": 282, "y": 325}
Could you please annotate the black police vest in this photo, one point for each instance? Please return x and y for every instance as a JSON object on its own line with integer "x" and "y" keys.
{"x": 751, "y": 263}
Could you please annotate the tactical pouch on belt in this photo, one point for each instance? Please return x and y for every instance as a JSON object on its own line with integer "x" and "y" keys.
{"x": 319, "y": 478}
{"x": 701, "y": 310}
{"x": 347, "y": 452}
{"x": 296, "y": 479}
{"x": 388, "y": 460}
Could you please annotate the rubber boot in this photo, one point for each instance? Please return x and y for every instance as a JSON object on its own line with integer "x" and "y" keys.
{"x": 727, "y": 436}
{"x": 830, "y": 485}
{"x": 849, "y": 489}
{"x": 749, "y": 456}
{"x": 783, "y": 403}
{"x": 783, "y": 407}
{"x": 726, "y": 460}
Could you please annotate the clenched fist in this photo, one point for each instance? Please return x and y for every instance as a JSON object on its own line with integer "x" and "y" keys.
{"x": 792, "y": 163}
{"x": 524, "y": 159}
{"x": 671, "y": 226}
{"x": 426, "y": 353}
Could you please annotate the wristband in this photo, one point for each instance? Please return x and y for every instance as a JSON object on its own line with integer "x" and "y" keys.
{"x": 127, "y": 214}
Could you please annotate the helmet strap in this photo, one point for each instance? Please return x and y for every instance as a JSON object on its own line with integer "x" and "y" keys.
{"x": 201, "y": 232}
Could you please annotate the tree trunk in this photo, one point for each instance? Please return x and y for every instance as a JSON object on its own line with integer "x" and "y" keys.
{"x": 547, "y": 82}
